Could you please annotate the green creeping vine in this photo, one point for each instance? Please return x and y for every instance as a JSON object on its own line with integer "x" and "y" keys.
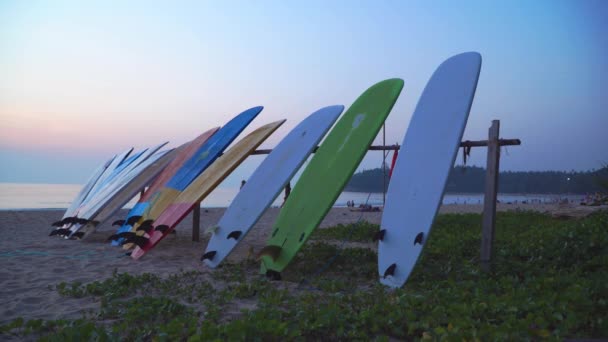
{"x": 549, "y": 280}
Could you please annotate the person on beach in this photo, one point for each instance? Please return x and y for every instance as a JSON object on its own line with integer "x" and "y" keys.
{"x": 287, "y": 192}
{"x": 242, "y": 184}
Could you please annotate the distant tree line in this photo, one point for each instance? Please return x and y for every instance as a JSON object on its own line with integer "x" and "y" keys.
{"x": 471, "y": 179}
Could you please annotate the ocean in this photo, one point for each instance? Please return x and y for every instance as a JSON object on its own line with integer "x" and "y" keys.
{"x": 59, "y": 196}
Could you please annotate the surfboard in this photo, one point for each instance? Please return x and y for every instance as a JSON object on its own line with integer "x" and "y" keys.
{"x": 84, "y": 192}
{"x": 185, "y": 152}
{"x": 109, "y": 173}
{"x": 327, "y": 173}
{"x": 266, "y": 182}
{"x": 130, "y": 186}
{"x": 62, "y": 227}
{"x": 422, "y": 168}
{"x": 115, "y": 180}
{"x": 206, "y": 155}
{"x": 200, "y": 188}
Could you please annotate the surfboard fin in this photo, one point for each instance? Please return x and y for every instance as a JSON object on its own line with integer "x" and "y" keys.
{"x": 419, "y": 238}
{"x": 57, "y": 223}
{"x": 390, "y": 270}
{"x": 69, "y": 220}
{"x": 147, "y": 222}
{"x": 146, "y": 226}
{"x": 140, "y": 241}
{"x": 273, "y": 275}
{"x": 122, "y": 235}
{"x": 162, "y": 228}
{"x": 236, "y": 234}
{"x": 55, "y": 231}
{"x": 60, "y": 232}
{"x": 146, "y": 229}
{"x": 118, "y": 223}
{"x": 379, "y": 235}
{"x": 82, "y": 221}
{"x": 209, "y": 255}
{"x": 77, "y": 235}
{"x": 272, "y": 251}
{"x": 133, "y": 220}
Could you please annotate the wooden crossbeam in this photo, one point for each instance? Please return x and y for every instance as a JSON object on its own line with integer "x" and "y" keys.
{"x": 466, "y": 143}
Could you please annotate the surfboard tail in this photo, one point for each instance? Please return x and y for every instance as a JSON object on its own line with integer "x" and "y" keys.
{"x": 273, "y": 252}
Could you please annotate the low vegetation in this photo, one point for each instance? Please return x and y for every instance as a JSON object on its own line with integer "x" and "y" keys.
{"x": 549, "y": 280}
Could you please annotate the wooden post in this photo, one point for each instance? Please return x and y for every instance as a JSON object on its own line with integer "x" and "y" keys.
{"x": 489, "y": 200}
{"x": 383, "y": 166}
{"x": 196, "y": 222}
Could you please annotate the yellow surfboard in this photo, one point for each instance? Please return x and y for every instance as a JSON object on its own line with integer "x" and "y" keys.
{"x": 199, "y": 189}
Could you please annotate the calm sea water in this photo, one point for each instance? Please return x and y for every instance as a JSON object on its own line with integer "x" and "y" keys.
{"x": 59, "y": 196}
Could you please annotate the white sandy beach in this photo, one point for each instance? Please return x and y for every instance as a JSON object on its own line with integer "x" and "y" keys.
{"x": 34, "y": 263}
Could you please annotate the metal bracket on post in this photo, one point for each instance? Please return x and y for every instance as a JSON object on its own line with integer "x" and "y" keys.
{"x": 489, "y": 200}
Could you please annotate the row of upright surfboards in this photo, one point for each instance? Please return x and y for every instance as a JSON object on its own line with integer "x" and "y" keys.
{"x": 178, "y": 179}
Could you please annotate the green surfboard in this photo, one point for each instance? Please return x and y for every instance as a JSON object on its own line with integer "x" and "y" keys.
{"x": 327, "y": 173}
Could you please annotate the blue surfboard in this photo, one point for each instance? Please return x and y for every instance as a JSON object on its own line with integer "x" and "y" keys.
{"x": 193, "y": 167}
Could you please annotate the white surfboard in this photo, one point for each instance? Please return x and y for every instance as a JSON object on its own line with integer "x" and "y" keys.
{"x": 429, "y": 149}
{"x": 121, "y": 191}
{"x": 103, "y": 188}
{"x": 106, "y": 175}
{"x": 82, "y": 196}
{"x": 87, "y": 188}
{"x": 267, "y": 181}
{"x": 115, "y": 182}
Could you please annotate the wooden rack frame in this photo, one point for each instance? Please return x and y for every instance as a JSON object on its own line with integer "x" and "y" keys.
{"x": 491, "y": 187}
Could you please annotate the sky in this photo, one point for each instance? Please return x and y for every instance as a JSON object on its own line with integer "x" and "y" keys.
{"x": 82, "y": 81}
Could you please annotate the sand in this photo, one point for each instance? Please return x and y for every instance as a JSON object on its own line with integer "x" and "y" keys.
{"x": 33, "y": 263}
